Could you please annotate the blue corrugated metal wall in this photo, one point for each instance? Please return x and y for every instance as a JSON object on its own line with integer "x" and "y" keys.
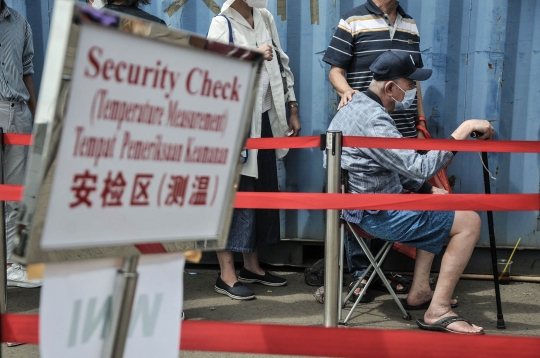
{"x": 486, "y": 60}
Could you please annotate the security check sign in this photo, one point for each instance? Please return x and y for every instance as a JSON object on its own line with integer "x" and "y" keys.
{"x": 150, "y": 143}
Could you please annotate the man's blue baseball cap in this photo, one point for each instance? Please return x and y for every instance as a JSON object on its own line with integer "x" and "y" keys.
{"x": 397, "y": 64}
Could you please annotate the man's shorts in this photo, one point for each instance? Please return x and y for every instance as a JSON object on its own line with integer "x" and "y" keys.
{"x": 426, "y": 230}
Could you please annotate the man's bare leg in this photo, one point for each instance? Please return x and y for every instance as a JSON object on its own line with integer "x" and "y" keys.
{"x": 226, "y": 265}
{"x": 463, "y": 237}
{"x": 420, "y": 288}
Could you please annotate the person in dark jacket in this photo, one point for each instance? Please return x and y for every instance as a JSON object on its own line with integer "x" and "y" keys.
{"x": 128, "y": 7}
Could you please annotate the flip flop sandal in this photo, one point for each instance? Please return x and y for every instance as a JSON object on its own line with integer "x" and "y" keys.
{"x": 442, "y": 325}
{"x": 366, "y": 298}
{"x": 422, "y": 306}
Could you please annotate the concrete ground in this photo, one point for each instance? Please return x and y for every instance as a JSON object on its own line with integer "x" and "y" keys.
{"x": 295, "y": 304}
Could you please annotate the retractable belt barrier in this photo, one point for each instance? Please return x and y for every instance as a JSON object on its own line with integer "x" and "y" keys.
{"x": 314, "y": 341}
{"x": 500, "y": 146}
{"x": 332, "y": 342}
{"x": 319, "y": 201}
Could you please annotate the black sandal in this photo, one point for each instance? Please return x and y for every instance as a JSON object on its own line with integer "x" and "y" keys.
{"x": 394, "y": 282}
{"x": 366, "y": 298}
{"x": 442, "y": 325}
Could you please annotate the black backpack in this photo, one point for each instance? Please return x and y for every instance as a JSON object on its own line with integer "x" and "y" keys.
{"x": 314, "y": 275}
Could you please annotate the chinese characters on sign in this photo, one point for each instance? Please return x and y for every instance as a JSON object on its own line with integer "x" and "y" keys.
{"x": 113, "y": 188}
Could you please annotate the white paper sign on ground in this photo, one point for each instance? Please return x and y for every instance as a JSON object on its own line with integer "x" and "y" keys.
{"x": 76, "y": 299}
{"x": 151, "y": 130}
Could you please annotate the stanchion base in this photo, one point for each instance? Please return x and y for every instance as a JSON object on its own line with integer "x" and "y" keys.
{"x": 407, "y": 317}
{"x": 500, "y": 323}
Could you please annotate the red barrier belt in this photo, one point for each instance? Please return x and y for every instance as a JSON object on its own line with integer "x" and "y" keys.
{"x": 18, "y": 139}
{"x": 275, "y": 143}
{"x": 11, "y": 192}
{"x": 320, "y": 201}
{"x": 516, "y": 146}
{"x": 151, "y": 248}
{"x": 20, "y": 328}
{"x": 348, "y": 342}
{"x": 313, "y": 201}
{"x": 316, "y": 341}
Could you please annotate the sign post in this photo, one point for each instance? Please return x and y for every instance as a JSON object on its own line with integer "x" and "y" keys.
{"x": 137, "y": 142}
{"x": 121, "y": 308}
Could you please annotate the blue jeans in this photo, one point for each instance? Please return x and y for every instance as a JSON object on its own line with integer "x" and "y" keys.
{"x": 253, "y": 228}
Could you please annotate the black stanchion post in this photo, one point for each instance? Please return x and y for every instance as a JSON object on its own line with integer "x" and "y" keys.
{"x": 493, "y": 246}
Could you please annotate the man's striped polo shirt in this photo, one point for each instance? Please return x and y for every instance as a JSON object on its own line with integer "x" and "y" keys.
{"x": 362, "y": 35}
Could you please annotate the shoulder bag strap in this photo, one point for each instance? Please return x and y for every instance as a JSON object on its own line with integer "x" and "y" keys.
{"x": 264, "y": 14}
{"x": 231, "y": 39}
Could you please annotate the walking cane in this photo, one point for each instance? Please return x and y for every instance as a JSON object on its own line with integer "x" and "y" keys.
{"x": 492, "y": 244}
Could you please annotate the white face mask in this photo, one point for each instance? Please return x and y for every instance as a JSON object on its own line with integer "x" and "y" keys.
{"x": 97, "y": 4}
{"x": 408, "y": 99}
{"x": 261, "y": 4}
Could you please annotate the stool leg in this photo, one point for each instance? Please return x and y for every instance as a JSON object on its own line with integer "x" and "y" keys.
{"x": 361, "y": 277}
{"x": 368, "y": 283}
{"x": 359, "y": 297}
{"x": 376, "y": 264}
{"x": 367, "y": 269}
{"x": 406, "y": 314}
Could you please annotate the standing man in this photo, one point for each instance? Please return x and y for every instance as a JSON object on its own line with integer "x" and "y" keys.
{"x": 362, "y": 35}
{"x": 17, "y": 109}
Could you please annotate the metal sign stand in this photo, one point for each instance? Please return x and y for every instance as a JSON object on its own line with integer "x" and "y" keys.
{"x": 122, "y": 304}
{"x": 493, "y": 247}
{"x": 331, "y": 247}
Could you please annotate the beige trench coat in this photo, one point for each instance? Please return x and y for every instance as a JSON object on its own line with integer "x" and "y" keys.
{"x": 246, "y": 36}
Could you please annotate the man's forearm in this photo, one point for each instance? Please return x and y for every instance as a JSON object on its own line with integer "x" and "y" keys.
{"x": 338, "y": 81}
{"x": 29, "y": 83}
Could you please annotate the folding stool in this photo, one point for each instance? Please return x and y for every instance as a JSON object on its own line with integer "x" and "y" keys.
{"x": 375, "y": 261}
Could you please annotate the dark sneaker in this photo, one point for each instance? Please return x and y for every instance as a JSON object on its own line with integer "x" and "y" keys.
{"x": 238, "y": 291}
{"x": 267, "y": 279}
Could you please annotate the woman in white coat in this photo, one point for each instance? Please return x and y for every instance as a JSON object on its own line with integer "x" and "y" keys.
{"x": 253, "y": 27}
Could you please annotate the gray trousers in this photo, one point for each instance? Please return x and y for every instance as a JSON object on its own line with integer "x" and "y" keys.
{"x": 15, "y": 117}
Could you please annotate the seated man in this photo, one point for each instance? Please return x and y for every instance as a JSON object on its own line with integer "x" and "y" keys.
{"x": 393, "y": 171}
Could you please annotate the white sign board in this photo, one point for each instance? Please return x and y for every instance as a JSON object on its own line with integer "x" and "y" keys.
{"x": 149, "y": 144}
{"x": 76, "y": 301}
